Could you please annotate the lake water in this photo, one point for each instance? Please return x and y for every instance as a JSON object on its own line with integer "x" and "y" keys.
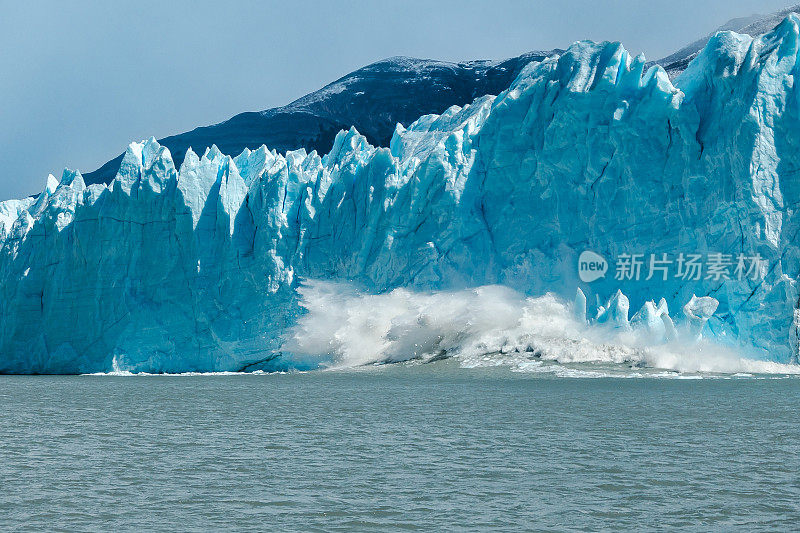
{"x": 399, "y": 447}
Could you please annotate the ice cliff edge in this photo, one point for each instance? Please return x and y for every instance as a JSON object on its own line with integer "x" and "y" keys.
{"x": 168, "y": 270}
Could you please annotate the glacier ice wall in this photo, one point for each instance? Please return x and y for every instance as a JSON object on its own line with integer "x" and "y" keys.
{"x": 195, "y": 268}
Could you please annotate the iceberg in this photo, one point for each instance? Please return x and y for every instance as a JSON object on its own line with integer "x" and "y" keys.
{"x": 196, "y": 268}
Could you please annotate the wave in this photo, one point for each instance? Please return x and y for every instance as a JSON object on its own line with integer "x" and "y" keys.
{"x": 495, "y": 325}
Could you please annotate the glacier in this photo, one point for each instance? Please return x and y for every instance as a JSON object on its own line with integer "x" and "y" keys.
{"x": 197, "y": 268}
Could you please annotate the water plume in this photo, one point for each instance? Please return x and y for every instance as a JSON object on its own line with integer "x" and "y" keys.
{"x": 343, "y": 327}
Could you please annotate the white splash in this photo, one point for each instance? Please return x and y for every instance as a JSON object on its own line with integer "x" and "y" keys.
{"x": 494, "y": 325}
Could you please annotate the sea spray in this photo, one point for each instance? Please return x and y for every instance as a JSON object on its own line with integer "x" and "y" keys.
{"x": 343, "y": 327}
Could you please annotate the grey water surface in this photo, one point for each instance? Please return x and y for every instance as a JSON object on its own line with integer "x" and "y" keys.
{"x": 399, "y": 447}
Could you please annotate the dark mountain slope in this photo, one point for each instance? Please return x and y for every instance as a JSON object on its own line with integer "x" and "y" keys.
{"x": 373, "y": 99}
{"x": 378, "y": 96}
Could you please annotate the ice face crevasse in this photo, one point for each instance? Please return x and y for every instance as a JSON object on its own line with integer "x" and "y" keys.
{"x": 195, "y": 268}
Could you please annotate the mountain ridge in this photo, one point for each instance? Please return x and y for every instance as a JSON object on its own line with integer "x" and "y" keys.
{"x": 373, "y": 99}
{"x": 752, "y": 25}
{"x": 382, "y": 94}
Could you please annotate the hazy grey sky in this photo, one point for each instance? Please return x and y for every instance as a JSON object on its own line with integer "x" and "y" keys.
{"x": 80, "y": 80}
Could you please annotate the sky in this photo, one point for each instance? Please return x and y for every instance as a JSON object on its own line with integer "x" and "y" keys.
{"x": 80, "y": 80}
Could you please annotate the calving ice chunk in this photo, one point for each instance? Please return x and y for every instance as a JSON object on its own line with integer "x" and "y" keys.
{"x": 196, "y": 268}
{"x": 489, "y": 325}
